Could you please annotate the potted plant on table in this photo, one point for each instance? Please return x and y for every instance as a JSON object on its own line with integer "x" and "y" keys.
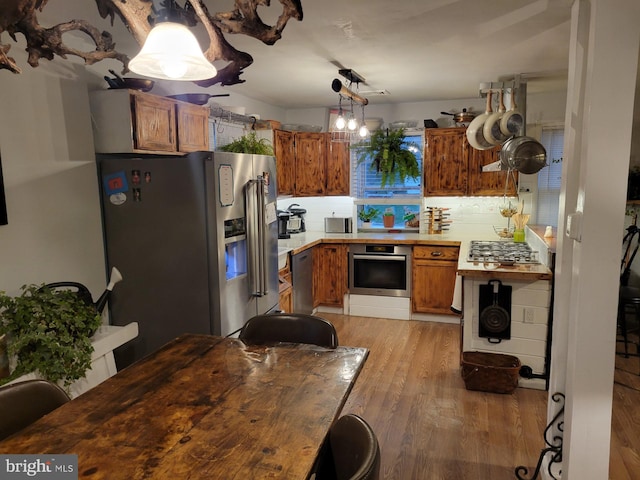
{"x": 390, "y": 156}
{"x": 48, "y": 333}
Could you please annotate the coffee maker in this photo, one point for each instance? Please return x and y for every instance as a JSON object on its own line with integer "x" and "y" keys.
{"x": 296, "y": 220}
{"x": 283, "y": 222}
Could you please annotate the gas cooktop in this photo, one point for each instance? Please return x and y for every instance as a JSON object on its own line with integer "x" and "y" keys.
{"x": 501, "y": 251}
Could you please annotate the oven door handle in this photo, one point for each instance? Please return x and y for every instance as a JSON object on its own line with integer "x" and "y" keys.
{"x": 394, "y": 258}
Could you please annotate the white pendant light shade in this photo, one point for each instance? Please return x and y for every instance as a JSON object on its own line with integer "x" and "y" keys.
{"x": 340, "y": 122}
{"x": 172, "y": 52}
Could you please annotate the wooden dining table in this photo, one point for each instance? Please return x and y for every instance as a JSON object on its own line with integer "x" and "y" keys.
{"x": 203, "y": 407}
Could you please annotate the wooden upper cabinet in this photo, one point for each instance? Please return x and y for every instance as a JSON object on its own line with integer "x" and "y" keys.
{"x": 338, "y": 167}
{"x": 309, "y": 164}
{"x": 445, "y": 165}
{"x": 453, "y": 167}
{"x": 285, "y": 152}
{"x": 126, "y": 121}
{"x": 310, "y": 169}
{"x": 154, "y": 123}
{"x": 489, "y": 183}
{"x": 193, "y": 127}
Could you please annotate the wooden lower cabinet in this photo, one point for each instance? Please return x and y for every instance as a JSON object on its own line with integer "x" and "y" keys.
{"x": 329, "y": 274}
{"x": 433, "y": 278}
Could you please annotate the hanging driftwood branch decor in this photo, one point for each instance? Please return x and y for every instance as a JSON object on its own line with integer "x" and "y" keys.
{"x": 19, "y": 16}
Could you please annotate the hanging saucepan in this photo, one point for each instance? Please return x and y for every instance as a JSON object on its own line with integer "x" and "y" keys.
{"x": 524, "y": 154}
{"x": 461, "y": 119}
{"x": 491, "y": 130}
{"x": 512, "y": 121}
{"x": 475, "y": 133}
{"x": 197, "y": 98}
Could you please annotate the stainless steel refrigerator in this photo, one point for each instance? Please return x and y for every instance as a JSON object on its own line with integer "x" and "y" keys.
{"x": 196, "y": 241}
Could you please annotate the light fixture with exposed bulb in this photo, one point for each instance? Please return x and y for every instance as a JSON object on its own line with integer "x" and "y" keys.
{"x": 364, "y": 131}
{"x": 352, "y": 123}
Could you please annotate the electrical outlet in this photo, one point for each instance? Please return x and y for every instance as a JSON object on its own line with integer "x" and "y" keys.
{"x": 528, "y": 315}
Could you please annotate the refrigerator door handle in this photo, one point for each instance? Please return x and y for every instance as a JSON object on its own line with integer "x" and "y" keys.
{"x": 262, "y": 236}
{"x": 256, "y": 216}
{"x": 253, "y": 232}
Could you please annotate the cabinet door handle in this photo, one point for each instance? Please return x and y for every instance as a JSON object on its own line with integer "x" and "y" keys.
{"x": 436, "y": 254}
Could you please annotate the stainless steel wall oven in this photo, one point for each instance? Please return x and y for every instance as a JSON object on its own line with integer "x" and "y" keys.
{"x": 383, "y": 270}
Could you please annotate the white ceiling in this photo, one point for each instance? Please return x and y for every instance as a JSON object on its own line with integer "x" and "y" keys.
{"x": 417, "y": 50}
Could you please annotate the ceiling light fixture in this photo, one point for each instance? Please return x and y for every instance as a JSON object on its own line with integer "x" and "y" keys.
{"x": 171, "y": 51}
{"x": 344, "y": 128}
{"x": 364, "y": 131}
{"x": 340, "y": 121}
{"x": 352, "y": 123}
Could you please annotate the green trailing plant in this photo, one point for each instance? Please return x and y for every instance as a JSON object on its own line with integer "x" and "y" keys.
{"x": 48, "y": 332}
{"x": 249, "y": 143}
{"x": 390, "y": 156}
{"x": 368, "y": 214}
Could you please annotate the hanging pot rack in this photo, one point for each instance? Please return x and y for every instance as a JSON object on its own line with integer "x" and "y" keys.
{"x": 232, "y": 117}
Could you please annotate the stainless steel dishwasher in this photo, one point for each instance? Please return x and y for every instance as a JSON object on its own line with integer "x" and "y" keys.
{"x": 302, "y": 275}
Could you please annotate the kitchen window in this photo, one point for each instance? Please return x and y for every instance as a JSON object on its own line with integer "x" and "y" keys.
{"x": 367, "y": 181}
{"x": 550, "y": 178}
{"x": 403, "y": 199}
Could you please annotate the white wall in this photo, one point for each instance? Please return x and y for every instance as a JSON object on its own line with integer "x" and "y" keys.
{"x": 46, "y": 144}
{"x": 541, "y": 108}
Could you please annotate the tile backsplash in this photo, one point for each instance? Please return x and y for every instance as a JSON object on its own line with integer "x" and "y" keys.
{"x": 319, "y": 207}
{"x": 469, "y": 214}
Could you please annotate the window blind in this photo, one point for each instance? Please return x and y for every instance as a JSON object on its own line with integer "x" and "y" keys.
{"x": 367, "y": 181}
{"x": 549, "y": 178}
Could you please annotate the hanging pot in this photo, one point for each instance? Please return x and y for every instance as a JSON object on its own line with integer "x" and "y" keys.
{"x": 475, "y": 133}
{"x": 196, "y": 98}
{"x": 512, "y": 121}
{"x": 461, "y": 119}
{"x": 142, "y": 84}
{"x": 491, "y": 130}
{"x": 524, "y": 154}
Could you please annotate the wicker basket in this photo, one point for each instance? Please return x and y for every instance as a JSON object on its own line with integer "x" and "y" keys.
{"x": 490, "y": 372}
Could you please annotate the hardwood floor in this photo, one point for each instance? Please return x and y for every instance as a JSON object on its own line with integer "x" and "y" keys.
{"x": 624, "y": 461}
{"x": 430, "y": 427}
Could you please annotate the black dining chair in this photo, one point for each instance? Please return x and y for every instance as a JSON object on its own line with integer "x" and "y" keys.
{"x": 350, "y": 453}
{"x": 289, "y": 328}
{"x": 25, "y": 402}
{"x": 629, "y": 296}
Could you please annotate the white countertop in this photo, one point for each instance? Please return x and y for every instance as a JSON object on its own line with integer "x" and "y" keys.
{"x": 301, "y": 241}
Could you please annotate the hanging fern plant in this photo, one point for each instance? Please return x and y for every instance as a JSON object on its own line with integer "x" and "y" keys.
{"x": 390, "y": 156}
